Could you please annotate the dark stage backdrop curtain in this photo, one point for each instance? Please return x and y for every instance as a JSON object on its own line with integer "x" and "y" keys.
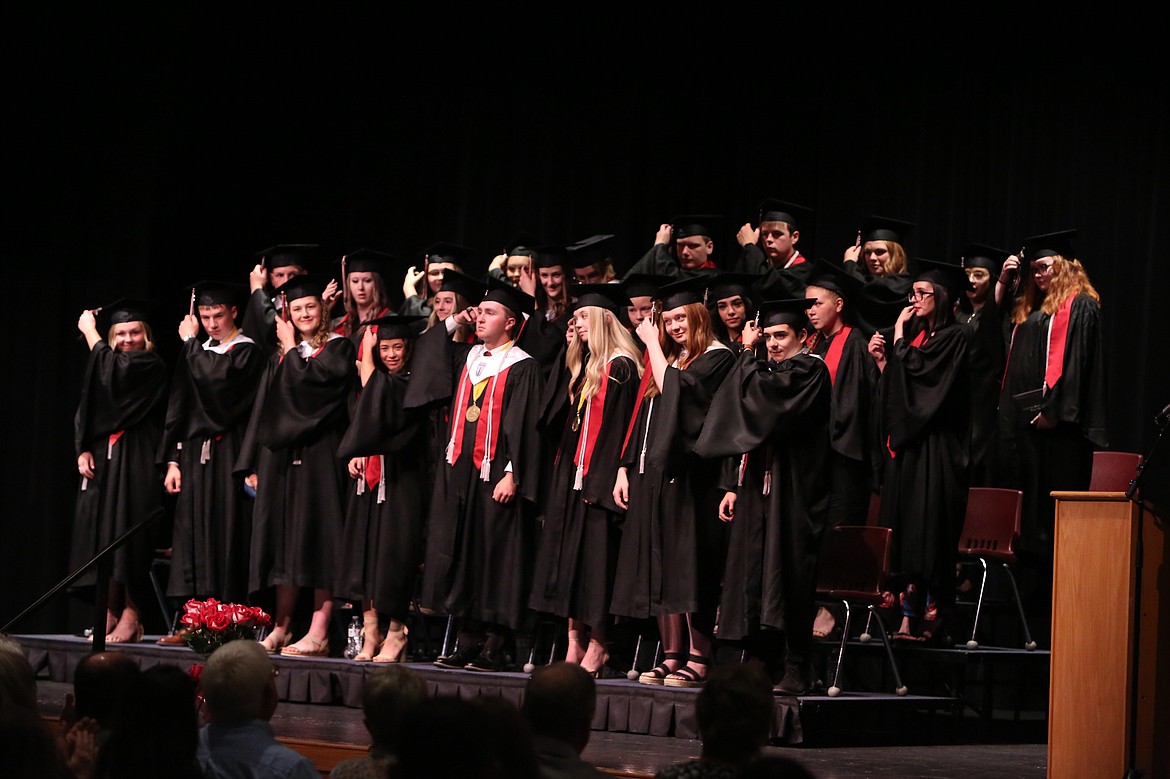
{"x": 140, "y": 180}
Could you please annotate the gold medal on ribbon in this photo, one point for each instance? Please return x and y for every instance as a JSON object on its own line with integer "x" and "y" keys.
{"x": 576, "y": 423}
{"x": 472, "y": 413}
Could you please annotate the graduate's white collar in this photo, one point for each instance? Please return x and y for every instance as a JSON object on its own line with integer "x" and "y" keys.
{"x": 480, "y": 366}
{"x": 223, "y": 346}
{"x": 307, "y": 349}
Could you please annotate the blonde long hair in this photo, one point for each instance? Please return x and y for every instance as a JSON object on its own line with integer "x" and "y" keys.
{"x": 1069, "y": 279}
{"x": 146, "y": 331}
{"x": 608, "y": 338}
{"x": 895, "y": 262}
{"x": 319, "y": 336}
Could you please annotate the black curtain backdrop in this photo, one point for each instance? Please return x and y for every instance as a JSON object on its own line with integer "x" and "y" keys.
{"x": 134, "y": 174}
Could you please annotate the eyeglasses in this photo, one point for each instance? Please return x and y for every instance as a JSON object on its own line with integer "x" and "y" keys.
{"x": 1040, "y": 268}
{"x": 916, "y": 295}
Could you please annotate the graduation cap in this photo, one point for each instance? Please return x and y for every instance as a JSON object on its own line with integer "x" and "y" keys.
{"x": 552, "y": 256}
{"x": 952, "y": 278}
{"x": 978, "y": 255}
{"x": 786, "y": 312}
{"x": 832, "y": 277}
{"x": 393, "y": 326}
{"x": 370, "y": 261}
{"x": 449, "y": 252}
{"x": 517, "y": 300}
{"x": 773, "y": 210}
{"x": 591, "y": 250}
{"x": 125, "y": 310}
{"x": 284, "y": 254}
{"x": 1049, "y": 245}
{"x": 882, "y": 228}
{"x": 684, "y": 292}
{"x": 728, "y": 285}
{"x": 302, "y": 287}
{"x": 639, "y": 285}
{"x": 218, "y": 293}
{"x": 521, "y": 245}
{"x": 611, "y": 297}
{"x": 470, "y": 288}
{"x": 704, "y": 225}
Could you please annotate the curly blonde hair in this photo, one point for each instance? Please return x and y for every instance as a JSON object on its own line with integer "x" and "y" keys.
{"x": 1069, "y": 279}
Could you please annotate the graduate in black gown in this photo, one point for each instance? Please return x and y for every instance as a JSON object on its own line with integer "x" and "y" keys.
{"x": 979, "y": 310}
{"x": 212, "y": 393}
{"x": 732, "y": 307}
{"x": 682, "y": 249}
{"x": 772, "y": 244}
{"x": 289, "y": 456}
{"x": 852, "y": 431}
{"x": 478, "y": 557}
{"x": 671, "y": 557}
{"x": 419, "y": 287}
{"x": 364, "y": 294}
{"x": 772, "y": 417}
{"x": 277, "y": 265}
{"x": 592, "y": 400}
{"x": 385, "y": 449}
{"x": 878, "y": 259}
{"x": 925, "y": 422}
{"x": 1052, "y": 407}
{"x": 117, "y": 431}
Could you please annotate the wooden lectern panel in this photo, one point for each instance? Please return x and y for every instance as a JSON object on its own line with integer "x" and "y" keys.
{"x": 1095, "y": 581}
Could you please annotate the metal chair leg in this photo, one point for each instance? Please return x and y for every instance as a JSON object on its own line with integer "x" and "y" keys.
{"x": 899, "y": 688}
{"x": 447, "y": 636}
{"x": 834, "y": 688}
{"x": 632, "y": 674}
{"x": 973, "y": 644}
{"x": 1029, "y": 644}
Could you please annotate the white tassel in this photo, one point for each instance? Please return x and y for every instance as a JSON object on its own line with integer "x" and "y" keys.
{"x": 646, "y": 437}
{"x": 768, "y": 482}
{"x": 579, "y": 479}
{"x": 485, "y": 470}
{"x": 205, "y": 452}
{"x": 742, "y": 469}
{"x": 109, "y": 448}
{"x": 361, "y": 485}
{"x": 84, "y": 483}
{"x": 642, "y": 461}
{"x": 451, "y": 452}
{"x": 382, "y": 483}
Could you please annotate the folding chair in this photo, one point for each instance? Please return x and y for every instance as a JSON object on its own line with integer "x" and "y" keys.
{"x": 1113, "y": 471}
{"x": 990, "y": 528}
{"x": 853, "y": 568}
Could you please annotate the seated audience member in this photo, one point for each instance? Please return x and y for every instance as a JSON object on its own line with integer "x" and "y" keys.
{"x": 776, "y": 768}
{"x": 240, "y": 693}
{"x": 386, "y": 695}
{"x": 734, "y": 711}
{"x": 469, "y": 739}
{"x": 155, "y": 727}
{"x": 18, "y": 687}
{"x": 100, "y": 682}
{"x": 559, "y": 702}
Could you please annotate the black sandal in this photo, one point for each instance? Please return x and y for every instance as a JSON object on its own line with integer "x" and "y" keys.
{"x": 658, "y": 674}
{"x": 689, "y": 676}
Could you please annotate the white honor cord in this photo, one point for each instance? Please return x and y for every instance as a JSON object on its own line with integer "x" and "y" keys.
{"x": 645, "y": 437}
{"x": 382, "y": 480}
{"x": 579, "y": 477}
{"x": 205, "y": 452}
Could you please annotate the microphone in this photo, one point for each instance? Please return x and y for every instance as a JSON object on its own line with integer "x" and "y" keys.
{"x": 1163, "y": 417}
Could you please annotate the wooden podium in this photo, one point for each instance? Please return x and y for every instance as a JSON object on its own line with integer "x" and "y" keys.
{"x": 1109, "y": 558}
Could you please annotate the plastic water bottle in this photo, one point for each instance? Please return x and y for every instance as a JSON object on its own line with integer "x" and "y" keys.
{"x": 353, "y": 642}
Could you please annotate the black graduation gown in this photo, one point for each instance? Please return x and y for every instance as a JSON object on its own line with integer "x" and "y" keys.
{"x": 297, "y": 422}
{"x": 659, "y": 261}
{"x": 382, "y": 541}
{"x": 578, "y": 547}
{"x": 211, "y": 397}
{"x": 479, "y": 552}
{"x": 986, "y": 357}
{"x": 122, "y": 392}
{"x": 780, "y": 415}
{"x": 881, "y": 299}
{"x": 259, "y": 321}
{"x": 1040, "y": 461}
{"x": 671, "y": 555}
{"x": 926, "y": 420}
{"x": 851, "y": 429}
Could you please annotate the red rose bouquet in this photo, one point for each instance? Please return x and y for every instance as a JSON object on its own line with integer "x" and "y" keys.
{"x": 210, "y": 624}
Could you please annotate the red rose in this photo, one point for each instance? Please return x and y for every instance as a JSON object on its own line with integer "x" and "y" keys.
{"x": 195, "y": 671}
{"x": 192, "y": 620}
{"x": 218, "y": 620}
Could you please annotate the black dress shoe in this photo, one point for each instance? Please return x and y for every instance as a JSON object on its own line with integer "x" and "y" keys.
{"x": 489, "y": 660}
{"x": 795, "y": 681}
{"x": 460, "y": 657}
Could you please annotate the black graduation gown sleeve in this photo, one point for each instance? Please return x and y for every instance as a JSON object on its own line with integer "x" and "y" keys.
{"x": 210, "y": 392}
{"x": 1079, "y": 395}
{"x": 435, "y": 369}
{"x": 880, "y": 300}
{"x": 307, "y": 396}
{"x": 755, "y": 403}
{"x": 380, "y": 425}
{"x": 851, "y": 429}
{"x": 259, "y": 321}
{"x": 752, "y": 260}
{"x": 415, "y": 306}
{"x": 785, "y": 283}
{"x": 686, "y": 398}
{"x": 119, "y": 390}
{"x": 658, "y": 261}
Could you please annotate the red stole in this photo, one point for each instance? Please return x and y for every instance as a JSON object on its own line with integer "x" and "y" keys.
{"x": 594, "y": 415}
{"x": 492, "y": 409}
{"x": 1057, "y": 338}
{"x": 833, "y": 355}
{"x": 373, "y": 470}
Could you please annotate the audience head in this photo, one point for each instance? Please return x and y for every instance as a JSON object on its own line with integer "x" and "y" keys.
{"x": 238, "y": 683}
{"x": 100, "y": 682}
{"x": 386, "y": 695}
{"x": 18, "y": 686}
{"x": 734, "y": 711}
{"x": 491, "y": 738}
{"x": 559, "y": 702}
{"x": 157, "y": 725}
{"x": 775, "y": 768}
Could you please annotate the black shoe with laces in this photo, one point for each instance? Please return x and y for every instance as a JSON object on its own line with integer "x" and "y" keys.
{"x": 795, "y": 681}
{"x": 489, "y": 660}
{"x": 460, "y": 657}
